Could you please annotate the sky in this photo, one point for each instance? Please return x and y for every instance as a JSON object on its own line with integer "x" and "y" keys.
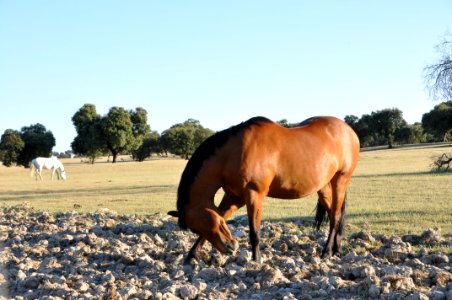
{"x": 219, "y": 62}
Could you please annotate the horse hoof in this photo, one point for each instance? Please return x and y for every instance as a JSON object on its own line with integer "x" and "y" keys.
{"x": 189, "y": 261}
{"x": 234, "y": 247}
{"x": 326, "y": 254}
{"x": 188, "y": 268}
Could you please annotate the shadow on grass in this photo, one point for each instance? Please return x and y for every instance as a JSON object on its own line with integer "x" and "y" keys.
{"x": 410, "y": 174}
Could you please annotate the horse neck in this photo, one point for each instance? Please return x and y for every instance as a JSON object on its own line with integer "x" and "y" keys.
{"x": 58, "y": 165}
{"x": 206, "y": 184}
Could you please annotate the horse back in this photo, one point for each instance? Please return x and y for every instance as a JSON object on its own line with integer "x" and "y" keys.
{"x": 45, "y": 162}
{"x": 331, "y": 138}
{"x": 291, "y": 163}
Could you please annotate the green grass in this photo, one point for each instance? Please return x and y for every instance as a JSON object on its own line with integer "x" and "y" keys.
{"x": 392, "y": 191}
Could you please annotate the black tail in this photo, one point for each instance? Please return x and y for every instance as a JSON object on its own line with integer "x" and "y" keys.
{"x": 321, "y": 216}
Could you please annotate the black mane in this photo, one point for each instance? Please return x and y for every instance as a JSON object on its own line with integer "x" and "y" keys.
{"x": 203, "y": 152}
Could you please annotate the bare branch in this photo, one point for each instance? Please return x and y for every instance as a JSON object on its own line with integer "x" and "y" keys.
{"x": 438, "y": 77}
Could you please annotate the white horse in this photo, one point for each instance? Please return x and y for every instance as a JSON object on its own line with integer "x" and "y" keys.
{"x": 51, "y": 163}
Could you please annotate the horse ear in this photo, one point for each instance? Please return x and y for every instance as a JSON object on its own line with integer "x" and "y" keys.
{"x": 174, "y": 213}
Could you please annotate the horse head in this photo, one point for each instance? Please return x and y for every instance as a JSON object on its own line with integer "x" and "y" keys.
{"x": 63, "y": 173}
{"x": 210, "y": 225}
{"x": 60, "y": 167}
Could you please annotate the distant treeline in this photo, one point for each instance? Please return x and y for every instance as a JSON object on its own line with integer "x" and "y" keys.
{"x": 388, "y": 127}
{"x": 128, "y": 132}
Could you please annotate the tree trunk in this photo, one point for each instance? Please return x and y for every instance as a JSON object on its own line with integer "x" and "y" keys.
{"x": 114, "y": 153}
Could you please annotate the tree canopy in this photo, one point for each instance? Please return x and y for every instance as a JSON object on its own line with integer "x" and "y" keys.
{"x": 183, "y": 138}
{"x": 378, "y": 128}
{"x": 21, "y": 147}
{"x": 38, "y": 141}
{"x": 120, "y": 131}
{"x": 150, "y": 144}
{"x": 286, "y": 123}
{"x": 11, "y": 145}
{"x": 89, "y": 140}
{"x": 438, "y": 121}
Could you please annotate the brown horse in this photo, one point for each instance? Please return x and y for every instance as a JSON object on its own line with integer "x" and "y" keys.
{"x": 260, "y": 158}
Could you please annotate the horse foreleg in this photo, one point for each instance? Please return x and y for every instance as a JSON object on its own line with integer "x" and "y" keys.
{"x": 193, "y": 253}
{"x": 254, "y": 210}
{"x": 227, "y": 207}
{"x": 38, "y": 173}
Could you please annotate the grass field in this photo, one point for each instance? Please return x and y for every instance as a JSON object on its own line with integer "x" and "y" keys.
{"x": 392, "y": 191}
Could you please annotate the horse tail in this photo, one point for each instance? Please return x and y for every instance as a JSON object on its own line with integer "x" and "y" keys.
{"x": 32, "y": 167}
{"x": 321, "y": 216}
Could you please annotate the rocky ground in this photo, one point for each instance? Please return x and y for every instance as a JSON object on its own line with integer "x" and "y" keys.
{"x": 108, "y": 256}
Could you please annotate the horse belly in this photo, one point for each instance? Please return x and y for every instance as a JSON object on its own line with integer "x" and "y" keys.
{"x": 302, "y": 180}
{"x": 291, "y": 190}
{"x": 287, "y": 194}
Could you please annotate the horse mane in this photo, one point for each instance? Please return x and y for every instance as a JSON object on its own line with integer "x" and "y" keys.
{"x": 201, "y": 154}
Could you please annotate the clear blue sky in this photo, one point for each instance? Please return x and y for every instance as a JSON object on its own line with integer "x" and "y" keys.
{"x": 219, "y": 62}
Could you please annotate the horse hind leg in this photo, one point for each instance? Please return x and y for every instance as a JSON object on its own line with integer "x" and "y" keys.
{"x": 337, "y": 245}
{"x": 336, "y": 214}
{"x": 323, "y": 205}
{"x": 324, "y": 209}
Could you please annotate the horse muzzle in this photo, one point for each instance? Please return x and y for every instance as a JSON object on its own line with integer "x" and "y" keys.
{"x": 231, "y": 248}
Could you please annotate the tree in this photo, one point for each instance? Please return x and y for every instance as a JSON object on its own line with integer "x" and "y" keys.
{"x": 140, "y": 128}
{"x": 11, "y": 145}
{"x": 352, "y": 121}
{"x": 89, "y": 140}
{"x": 37, "y": 142}
{"x": 139, "y": 118}
{"x": 438, "y": 76}
{"x": 386, "y": 122}
{"x": 378, "y": 128}
{"x": 438, "y": 121}
{"x": 286, "y": 123}
{"x": 183, "y": 138}
{"x": 362, "y": 128}
{"x": 117, "y": 129}
{"x": 410, "y": 134}
{"x": 65, "y": 154}
{"x": 150, "y": 144}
